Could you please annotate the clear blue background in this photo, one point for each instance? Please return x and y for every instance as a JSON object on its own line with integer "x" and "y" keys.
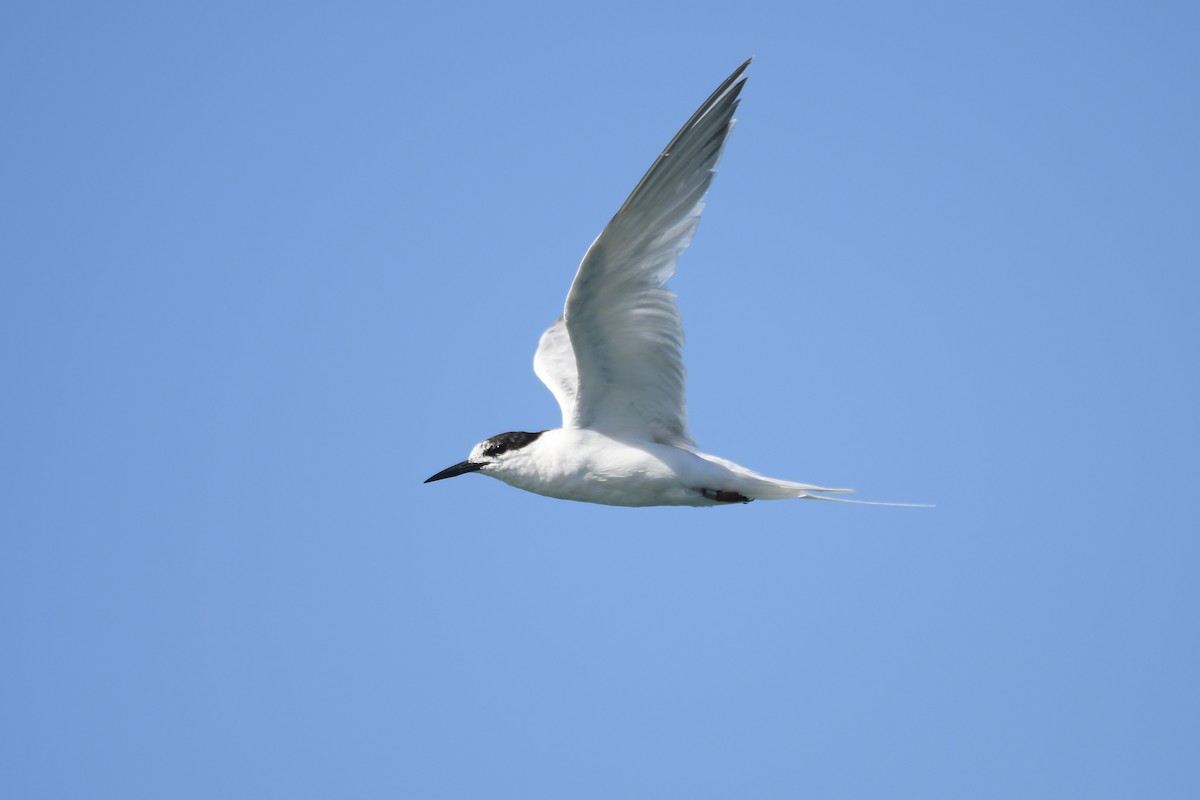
{"x": 265, "y": 267}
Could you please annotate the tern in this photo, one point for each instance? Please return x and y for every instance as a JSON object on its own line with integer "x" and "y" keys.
{"x": 613, "y": 359}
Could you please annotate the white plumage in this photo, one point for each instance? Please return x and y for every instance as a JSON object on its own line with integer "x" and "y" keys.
{"x": 614, "y": 361}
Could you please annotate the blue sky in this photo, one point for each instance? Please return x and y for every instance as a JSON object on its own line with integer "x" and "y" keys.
{"x": 265, "y": 267}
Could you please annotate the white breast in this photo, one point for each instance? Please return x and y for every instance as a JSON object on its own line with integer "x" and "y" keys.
{"x": 583, "y": 465}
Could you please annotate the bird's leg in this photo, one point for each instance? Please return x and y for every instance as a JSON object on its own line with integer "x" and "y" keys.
{"x": 724, "y": 496}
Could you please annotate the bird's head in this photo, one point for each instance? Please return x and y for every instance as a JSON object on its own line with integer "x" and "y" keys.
{"x": 491, "y": 454}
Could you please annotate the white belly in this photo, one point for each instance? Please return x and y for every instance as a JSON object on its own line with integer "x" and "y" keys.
{"x": 574, "y": 464}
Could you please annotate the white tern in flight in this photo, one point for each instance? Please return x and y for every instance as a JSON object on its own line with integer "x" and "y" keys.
{"x": 613, "y": 359}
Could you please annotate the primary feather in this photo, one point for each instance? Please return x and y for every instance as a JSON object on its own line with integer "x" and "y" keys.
{"x": 614, "y": 359}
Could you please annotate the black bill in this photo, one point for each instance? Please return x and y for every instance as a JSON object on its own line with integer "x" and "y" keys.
{"x": 460, "y": 468}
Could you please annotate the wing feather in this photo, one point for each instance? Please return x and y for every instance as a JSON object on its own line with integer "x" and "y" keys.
{"x": 625, "y": 372}
{"x": 554, "y": 364}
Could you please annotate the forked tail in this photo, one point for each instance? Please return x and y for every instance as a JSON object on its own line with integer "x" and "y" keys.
{"x": 774, "y": 489}
{"x": 760, "y": 487}
{"x": 808, "y": 496}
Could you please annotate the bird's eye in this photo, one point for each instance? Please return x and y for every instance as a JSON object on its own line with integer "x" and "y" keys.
{"x": 495, "y": 450}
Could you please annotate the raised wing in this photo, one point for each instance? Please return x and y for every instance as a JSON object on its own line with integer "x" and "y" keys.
{"x": 554, "y": 363}
{"x": 622, "y": 324}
